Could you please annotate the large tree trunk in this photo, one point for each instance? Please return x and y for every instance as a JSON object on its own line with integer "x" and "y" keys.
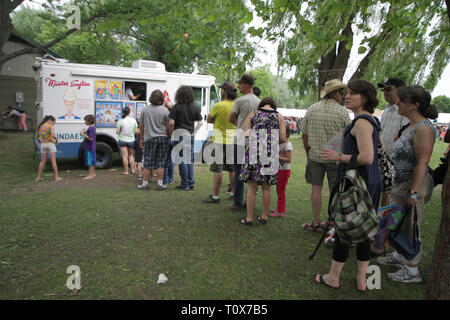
{"x": 333, "y": 65}
{"x": 438, "y": 286}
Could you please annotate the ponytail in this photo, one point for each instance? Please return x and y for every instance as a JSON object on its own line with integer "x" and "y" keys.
{"x": 417, "y": 94}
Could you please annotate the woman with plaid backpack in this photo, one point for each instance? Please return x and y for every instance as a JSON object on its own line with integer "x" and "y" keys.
{"x": 360, "y": 141}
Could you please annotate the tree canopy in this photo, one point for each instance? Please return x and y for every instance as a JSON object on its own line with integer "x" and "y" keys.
{"x": 442, "y": 103}
{"x": 403, "y": 38}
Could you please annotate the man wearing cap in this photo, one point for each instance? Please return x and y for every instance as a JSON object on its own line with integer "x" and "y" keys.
{"x": 322, "y": 121}
{"x": 243, "y": 106}
{"x": 391, "y": 121}
{"x": 223, "y": 135}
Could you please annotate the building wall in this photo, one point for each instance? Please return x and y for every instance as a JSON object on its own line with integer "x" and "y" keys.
{"x": 20, "y": 66}
{"x": 17, "y": 75}
{"x": 8, "y": 86}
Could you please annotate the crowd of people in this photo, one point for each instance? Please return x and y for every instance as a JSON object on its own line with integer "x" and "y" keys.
{"x": 165, "y": 131}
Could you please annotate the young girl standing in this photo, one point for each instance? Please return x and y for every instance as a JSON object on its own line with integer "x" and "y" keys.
{"x": 89, "y": 145}
{"x": 46, "y": 134}
{"x": 283, "y": 176}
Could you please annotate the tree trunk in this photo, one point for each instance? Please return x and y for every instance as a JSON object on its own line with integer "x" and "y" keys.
{"x": 438, "y": 285}
{"x": 333, "y": 65}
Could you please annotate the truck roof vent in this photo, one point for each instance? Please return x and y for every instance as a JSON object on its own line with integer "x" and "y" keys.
{"x": 148, "y": 65}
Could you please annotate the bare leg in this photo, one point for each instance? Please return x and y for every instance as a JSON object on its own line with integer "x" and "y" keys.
{"x": 131, "y": 157}
{"x": 124, "y": 159}
{"x": 231, "y": 175}
{"x": 316, "y": 202}
{"x": 362, "y": 271}
{"x": 147, "y": 174}
{"x": 218, "y": 177}
{"x": 251, "y": 198}
{"x": 41, "y": 167}
{"x": 54, "y": 166}
{"x": 266, "y": 200}
{"x": 160, "y": 173}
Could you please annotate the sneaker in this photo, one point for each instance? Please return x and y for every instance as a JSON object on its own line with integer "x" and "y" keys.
{"x": 404, "y": 275}
{"x": 389, "y": 260}
{"x": 160, "y": 188}
{"x": 180, "y": 187}
{"x": 210, "y": 199}
{"x": 142, "y": 187}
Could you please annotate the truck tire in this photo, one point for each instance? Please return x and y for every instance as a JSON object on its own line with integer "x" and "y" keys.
{"x": 105, "y": 156}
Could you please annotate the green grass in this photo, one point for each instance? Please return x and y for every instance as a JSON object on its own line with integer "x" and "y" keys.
{"x": 123, "y": 238}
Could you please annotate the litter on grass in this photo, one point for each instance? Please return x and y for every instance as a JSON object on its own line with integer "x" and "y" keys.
{"x": 162, "y": 278}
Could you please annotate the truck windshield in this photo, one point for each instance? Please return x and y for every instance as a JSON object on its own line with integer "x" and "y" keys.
{"x": 213, "y": 97}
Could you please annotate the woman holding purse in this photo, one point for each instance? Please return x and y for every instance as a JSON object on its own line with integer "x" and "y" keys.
{"x": 361, "y": 139}
{"x": 413, "y": 184}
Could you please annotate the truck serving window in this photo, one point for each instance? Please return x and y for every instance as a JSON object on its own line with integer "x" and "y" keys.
{"x": 135, "y": 91}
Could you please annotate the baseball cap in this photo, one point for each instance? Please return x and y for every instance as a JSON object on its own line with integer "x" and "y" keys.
{"x": 247, "y": 78}
{"x": 397, "y": 82}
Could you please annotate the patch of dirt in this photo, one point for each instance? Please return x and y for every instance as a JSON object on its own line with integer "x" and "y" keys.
{"x": 106, "y": 179}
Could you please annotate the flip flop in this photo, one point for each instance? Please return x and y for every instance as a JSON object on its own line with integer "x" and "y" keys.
{"x": 321, "y": 281}
{"x": 247, "y": 223}
{"x": 311, "y": 227}
{"x": 261, "y": 220}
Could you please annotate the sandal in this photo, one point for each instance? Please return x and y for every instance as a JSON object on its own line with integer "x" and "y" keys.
{"x": 321, "y": 281}
{"x": 247, "y": 223}
{"x": 311, "y": 227}
{"x": 261, "y": 220}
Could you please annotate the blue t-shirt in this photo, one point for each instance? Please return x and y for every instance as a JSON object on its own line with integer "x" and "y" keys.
{"x": 87, "y": 144}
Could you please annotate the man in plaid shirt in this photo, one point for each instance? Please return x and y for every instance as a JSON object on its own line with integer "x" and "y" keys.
{"x": 322, "y": 122}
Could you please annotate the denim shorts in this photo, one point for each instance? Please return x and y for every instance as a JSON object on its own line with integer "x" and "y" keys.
{"x": 126, "y": 144}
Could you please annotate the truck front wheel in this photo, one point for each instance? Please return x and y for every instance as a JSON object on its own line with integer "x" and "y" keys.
{"x": 105, "y": 156}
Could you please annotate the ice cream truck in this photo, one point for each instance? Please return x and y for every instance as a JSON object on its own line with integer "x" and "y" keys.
{"x": 70, "y": 91}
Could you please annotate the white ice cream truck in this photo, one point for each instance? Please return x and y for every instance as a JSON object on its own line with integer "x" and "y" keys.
{"x": 70, "y": 91}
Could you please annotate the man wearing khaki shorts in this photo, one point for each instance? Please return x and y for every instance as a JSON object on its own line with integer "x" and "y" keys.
{"x": 223, "y": 136}
{"x": 322, "y": 122}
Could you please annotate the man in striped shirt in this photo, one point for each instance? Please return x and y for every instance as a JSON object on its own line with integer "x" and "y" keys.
{"x": 391, "y": 121}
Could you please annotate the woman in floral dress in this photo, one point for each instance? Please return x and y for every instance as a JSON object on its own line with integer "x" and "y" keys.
{"x": 266, "y": 129}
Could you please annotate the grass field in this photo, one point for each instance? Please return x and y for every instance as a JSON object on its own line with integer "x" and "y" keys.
{"x": 123, "y": 238}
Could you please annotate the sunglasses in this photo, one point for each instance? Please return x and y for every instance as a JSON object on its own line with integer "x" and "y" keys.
{"x": 387, "y": 89}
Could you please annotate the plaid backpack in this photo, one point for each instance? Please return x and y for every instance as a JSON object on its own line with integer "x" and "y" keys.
{"x": 351, "y": 208}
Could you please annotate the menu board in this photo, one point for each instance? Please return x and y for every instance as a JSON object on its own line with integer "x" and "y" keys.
{"x": 108, "y": 89}
{"x": 100, "y": 89}
{"x": 139, "y": 107}
{"x": 107, "y": 113}
{"x": 115, "y": 90}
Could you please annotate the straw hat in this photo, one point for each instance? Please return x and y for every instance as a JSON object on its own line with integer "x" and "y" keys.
{"x": 331, "y": 86}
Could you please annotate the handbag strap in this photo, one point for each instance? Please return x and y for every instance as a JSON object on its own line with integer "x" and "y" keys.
{"x": 415, "y": 228}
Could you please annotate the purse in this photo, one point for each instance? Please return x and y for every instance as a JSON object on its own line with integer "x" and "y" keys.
{"x": 402, "y": 243}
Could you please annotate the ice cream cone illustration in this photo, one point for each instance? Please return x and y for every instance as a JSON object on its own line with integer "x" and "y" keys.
{"x": 69, "y": 100}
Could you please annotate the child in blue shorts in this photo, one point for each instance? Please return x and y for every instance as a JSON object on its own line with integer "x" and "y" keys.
{"x": 89, "y": 145}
